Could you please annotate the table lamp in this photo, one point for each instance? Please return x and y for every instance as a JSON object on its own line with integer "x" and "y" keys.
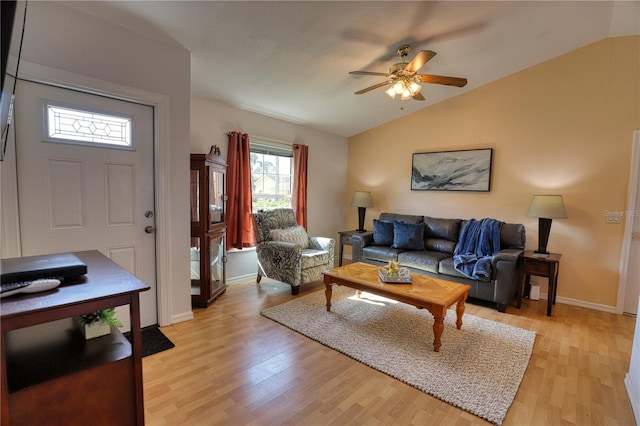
{"x": 361, "y": 200}
{"x": 546, "y": 208}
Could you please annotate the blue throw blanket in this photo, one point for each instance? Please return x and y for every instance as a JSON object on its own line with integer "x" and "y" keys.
{"x": 479, "y": 241}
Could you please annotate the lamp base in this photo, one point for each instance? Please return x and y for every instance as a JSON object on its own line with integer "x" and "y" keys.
{"x": 361, "y": 212}
{"x": 544, "y": 228}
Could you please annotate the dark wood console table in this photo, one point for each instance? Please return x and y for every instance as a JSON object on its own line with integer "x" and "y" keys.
{"x": 346, "y": 239}
{"x": 51, "y": 374}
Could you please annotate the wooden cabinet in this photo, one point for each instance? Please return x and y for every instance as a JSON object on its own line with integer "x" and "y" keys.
{"x": 50, "y": 374}
{"x": 208, "y": 227}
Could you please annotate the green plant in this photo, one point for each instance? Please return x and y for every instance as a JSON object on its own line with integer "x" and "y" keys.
{"x": 105, "y": 315}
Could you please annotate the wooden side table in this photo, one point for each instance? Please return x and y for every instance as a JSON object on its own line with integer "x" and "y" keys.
{"x": 542, "y": 266}
{"x": 346, "y": 238}
{"x": 49, "y": 372}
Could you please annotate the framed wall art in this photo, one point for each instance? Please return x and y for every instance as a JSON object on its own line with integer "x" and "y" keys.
{"x": 467, "y": 170}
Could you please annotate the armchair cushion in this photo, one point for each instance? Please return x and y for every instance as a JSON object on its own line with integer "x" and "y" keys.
{"x": 296, "y": 235}
{"x": 312, "y": 258}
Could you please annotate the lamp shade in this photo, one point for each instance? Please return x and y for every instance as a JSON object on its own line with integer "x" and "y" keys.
{"x": 361, "y": 199}
{"x": 547, "y": 206}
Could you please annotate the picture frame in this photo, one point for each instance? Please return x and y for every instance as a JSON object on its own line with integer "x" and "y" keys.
{"x": 463, "y": 170}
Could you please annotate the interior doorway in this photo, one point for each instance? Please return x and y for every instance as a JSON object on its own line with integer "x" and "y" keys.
{"x": 629, "y": 287}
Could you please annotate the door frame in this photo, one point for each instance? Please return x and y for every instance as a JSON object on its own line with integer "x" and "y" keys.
{"x": 632, "y": 204}
{"x": 160, "y": 103}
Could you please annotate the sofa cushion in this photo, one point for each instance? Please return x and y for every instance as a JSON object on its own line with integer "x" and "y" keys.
{"x": 423, "y": 260}
{"x": 441, "y": 234}
{"x": 296, "y": 235}
{"x": 382, "y": 233}
{"x": 512, "y": 235}
{"x": 408, "y": 236}
{"x": 406, "y": 218}
{"x": 446, "y": 267}
{"x": 380, "y": 253}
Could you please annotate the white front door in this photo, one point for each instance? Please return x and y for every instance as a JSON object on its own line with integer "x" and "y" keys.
{"x": 91, "y": 195}
{"x": 632, "y": 216}
{"x": 633, "y": 274}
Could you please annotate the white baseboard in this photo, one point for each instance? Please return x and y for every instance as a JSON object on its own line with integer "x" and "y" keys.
{"x": 185, "y": 316}
{"x": 581, "y": 303}
{"x": 634, "y": 396}
{"x": 241, "y": 278}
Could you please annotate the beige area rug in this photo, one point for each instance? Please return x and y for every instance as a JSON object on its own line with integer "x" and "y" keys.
{"x": 478, "y": 369}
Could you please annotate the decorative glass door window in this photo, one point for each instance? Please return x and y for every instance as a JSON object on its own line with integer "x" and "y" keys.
{"x": 70, "y": 125}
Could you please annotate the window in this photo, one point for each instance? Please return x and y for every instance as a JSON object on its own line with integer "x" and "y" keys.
{"x": 71, "y": 125}
{"x": 271, "y": 174}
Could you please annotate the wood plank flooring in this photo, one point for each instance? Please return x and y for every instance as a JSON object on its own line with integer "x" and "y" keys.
{"x": 231, "y": 366}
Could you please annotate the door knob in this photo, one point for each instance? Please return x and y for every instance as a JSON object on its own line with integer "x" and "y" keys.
{"x": 149, "y": 229}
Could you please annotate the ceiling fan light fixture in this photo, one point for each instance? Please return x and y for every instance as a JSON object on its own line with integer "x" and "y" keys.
{"x": 399, "y": 87}
{"x": 404, "y": 79}
{"x": 391, "y": 92}
{"x": 414, "y": 88}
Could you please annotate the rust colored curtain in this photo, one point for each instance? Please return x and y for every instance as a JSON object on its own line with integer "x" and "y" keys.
{"x": 240, "y": 232}
{"x": 299, "y": 196}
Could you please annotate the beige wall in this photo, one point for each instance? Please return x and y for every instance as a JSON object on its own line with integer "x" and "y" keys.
{"x": 62, "y": 38}
{"x": 564, "y": 127}
{"x": 210, "y": 122}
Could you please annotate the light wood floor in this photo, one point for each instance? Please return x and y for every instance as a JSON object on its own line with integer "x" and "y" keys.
{"x": 231, "y": 366}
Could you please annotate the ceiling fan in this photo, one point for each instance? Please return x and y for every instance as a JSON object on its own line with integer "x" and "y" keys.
{"x": 404, "y": 79}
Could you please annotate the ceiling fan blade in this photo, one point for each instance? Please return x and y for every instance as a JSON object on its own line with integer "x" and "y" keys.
{"x": 418, "y": 62}
{"x": 375, "y": 86}
{"x": 381, "y": 74}
{"x": 441, "y": 79}
{"x": 418, "y": 97}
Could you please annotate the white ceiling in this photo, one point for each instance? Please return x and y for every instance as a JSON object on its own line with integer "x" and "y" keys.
{"x": 291, "y": 59}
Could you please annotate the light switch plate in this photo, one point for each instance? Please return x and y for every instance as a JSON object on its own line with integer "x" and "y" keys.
{"x": 613, "y": 216}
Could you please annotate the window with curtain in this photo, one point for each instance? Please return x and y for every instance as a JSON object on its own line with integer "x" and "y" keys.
{"x": 271, "y": 173}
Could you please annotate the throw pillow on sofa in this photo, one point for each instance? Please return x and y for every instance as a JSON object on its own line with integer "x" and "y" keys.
{"x": 296, "y": 235}
{"x": 408, "y": 236}
{"x": 382, "y": 233}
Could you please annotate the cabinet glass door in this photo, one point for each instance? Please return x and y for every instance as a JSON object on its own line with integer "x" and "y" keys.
{"x": 194, "y": 189}
{"x": 216, "y": 196}
{"x": 216, "y": 253}
{"x": 194, "y": 257}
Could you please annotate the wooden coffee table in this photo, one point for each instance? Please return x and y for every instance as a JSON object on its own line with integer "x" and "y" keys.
{"x": 432, "y": 294}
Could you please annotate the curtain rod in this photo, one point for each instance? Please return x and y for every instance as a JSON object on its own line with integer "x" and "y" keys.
{"x": 266, "y": 139}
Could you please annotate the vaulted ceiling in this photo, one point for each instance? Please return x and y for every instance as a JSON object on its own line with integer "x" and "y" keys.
{"x": 291, "y": 59}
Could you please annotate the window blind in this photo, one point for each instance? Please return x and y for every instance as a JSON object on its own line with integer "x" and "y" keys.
{"x": 268, "y": 147}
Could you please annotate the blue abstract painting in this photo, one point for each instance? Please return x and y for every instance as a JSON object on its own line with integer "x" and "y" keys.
{"x": 468, "y": 170}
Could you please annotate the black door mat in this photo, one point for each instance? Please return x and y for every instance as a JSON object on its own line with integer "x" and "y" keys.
{"x": 153, "y": 340}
